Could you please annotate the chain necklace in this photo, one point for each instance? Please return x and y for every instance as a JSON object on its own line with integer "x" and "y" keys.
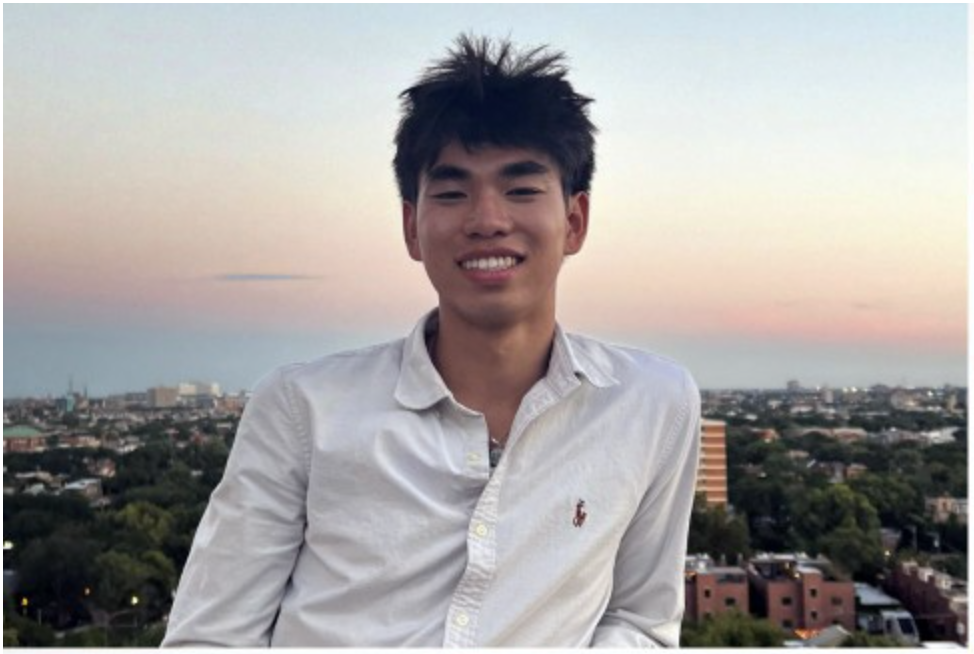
{"x": 495, "y": 450}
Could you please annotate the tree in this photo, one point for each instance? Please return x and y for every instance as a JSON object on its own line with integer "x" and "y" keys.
{"x": 854, "y": 550}
{"x": 712, "y": 531}
{"x": 844, "y": 526}
{"x": 897, "y": 503}
{"x": 54, "y": 572}
{"x": 120, "y": 577}
{"x": 732, "y": 629}
{"x": 143, "y": 525}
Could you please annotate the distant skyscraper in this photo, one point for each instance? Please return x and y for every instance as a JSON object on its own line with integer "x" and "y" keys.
{"x": 712, "y": 470}
{"x": 794, "y": 386}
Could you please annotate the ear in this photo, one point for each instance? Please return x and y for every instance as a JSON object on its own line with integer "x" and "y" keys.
{"x": 577, "y": 217}
{"x": 409, "y": 230}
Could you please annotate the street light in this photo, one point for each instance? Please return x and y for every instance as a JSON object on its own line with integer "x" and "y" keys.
{"x": 7, "y": 545}
{"x": 135, "y": 600}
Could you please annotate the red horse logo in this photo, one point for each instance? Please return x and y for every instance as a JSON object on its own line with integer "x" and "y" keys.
{"x": 580, "y": 514}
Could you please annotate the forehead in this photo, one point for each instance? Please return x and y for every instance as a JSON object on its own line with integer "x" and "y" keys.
{"x": 488, "y": 159}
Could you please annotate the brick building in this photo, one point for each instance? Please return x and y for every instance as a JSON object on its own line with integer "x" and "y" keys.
{"x": 937, "y": 601}
{"x": 21, "y": 438}
{"x": 712, "y": 590}
{"x": 796, "y": 592}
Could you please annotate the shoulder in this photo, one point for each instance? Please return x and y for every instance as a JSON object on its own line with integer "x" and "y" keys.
{"x": 635, "y": 369}
{"x": 341, "y": 371}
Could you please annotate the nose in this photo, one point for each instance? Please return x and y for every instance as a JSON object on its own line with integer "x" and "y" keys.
{"x": 488, "y": 216}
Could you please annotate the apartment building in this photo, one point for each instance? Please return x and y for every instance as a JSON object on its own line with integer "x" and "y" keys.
{"x": 937, "y": 600}
{"x": 712, "y": 590}
{"x": 796, "y": 592}
{"x": 712, "y": 470}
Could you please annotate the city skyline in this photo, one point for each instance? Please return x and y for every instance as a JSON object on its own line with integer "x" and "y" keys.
{"x": 197, "y": 192}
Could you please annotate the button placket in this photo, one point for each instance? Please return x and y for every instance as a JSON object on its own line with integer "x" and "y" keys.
{"x": 468, "y": 597}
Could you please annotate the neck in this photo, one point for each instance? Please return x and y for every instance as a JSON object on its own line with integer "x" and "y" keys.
{"x": 486, "y": 368}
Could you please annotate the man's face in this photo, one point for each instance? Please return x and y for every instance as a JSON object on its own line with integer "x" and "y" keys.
{"x": 492, "y": 227}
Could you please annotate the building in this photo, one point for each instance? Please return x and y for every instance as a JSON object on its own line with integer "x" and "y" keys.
{"x": 712, "y": 469}
{"x": 90, "y": 489}
{"x": 21, "y": 438}
{"x": 79, "y": 440}
{"x": 941, "y": 508}
{"x": 937, "y": 601}
{"x": 712, "y": 590}
{"x": 799, "y": 593}
{"x": 878, "y": 614}
{"x": 163, "y": 397}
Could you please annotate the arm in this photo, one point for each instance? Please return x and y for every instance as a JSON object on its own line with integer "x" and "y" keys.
{"x": 248, "y": 540}
{"x": 647, "y": 602}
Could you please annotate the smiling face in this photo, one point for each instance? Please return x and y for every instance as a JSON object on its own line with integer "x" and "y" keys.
{"x": 492, "y": 227}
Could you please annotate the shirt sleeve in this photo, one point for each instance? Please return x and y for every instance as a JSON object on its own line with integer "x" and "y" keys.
{"x": 248, "y": 539}
{"x": 647, "y": 602}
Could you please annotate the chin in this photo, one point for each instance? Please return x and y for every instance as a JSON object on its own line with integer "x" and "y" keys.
{"x": 494, "y": 315}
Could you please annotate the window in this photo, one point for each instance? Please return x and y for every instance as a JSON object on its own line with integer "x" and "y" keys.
{"x": 786, "y": 601}
{"x": 787, "y": 624}
{"x": 813, "y": 592}
{"x": 729, "y": 601}
{"x": 706, "y": 593}
{"x": 814, "y": 615}
{"x": 836, "y": 601}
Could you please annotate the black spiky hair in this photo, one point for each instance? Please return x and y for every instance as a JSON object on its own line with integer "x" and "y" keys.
{"x": 489, "y": 94}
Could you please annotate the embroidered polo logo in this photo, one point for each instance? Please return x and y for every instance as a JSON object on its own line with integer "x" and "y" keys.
{"x": 580, "y": 514}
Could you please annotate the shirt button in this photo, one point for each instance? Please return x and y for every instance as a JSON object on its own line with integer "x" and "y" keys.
{"x": 462, "y": 619}
{"x": 481, "y": 529}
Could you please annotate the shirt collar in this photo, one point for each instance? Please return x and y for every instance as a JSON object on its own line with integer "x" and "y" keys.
{"x": 420, "y": 385}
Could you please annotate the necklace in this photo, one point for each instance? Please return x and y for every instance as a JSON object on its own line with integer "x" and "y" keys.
{"x": 495, "y": 450}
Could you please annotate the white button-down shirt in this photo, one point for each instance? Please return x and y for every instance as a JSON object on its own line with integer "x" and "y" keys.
{"x": 358, "y": 508}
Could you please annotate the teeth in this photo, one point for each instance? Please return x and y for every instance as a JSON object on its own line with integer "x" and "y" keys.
{"x": 490, "y": 263}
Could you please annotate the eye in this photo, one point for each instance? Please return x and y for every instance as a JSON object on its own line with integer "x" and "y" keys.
{"x": 524, "y": 191}
{"x": 448, "y": 195}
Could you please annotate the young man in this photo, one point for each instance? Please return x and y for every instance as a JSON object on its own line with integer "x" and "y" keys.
{"x": 490, "y": 480}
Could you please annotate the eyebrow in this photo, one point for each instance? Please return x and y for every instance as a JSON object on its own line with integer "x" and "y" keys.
{"x": 523, "y": 169}
{"x": 449, "y": 172}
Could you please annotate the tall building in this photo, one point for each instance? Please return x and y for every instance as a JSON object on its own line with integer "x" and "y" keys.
{"x": 712, "y": 470}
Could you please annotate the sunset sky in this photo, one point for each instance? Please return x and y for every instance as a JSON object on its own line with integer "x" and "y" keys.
{"x": 205, "y": 192}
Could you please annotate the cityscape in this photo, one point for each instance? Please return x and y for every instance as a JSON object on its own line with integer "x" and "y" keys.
{"x": 824, "y": 516}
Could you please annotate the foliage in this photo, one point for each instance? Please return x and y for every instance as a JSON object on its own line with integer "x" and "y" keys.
{"x": 55, "y": 570}
{"x": 732, "y": 629}
{"x": 897, "y": 502}
{"x": 843, "y": 525}
{"x": 715, "y": 533}
{"x": 19, "y": 631}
